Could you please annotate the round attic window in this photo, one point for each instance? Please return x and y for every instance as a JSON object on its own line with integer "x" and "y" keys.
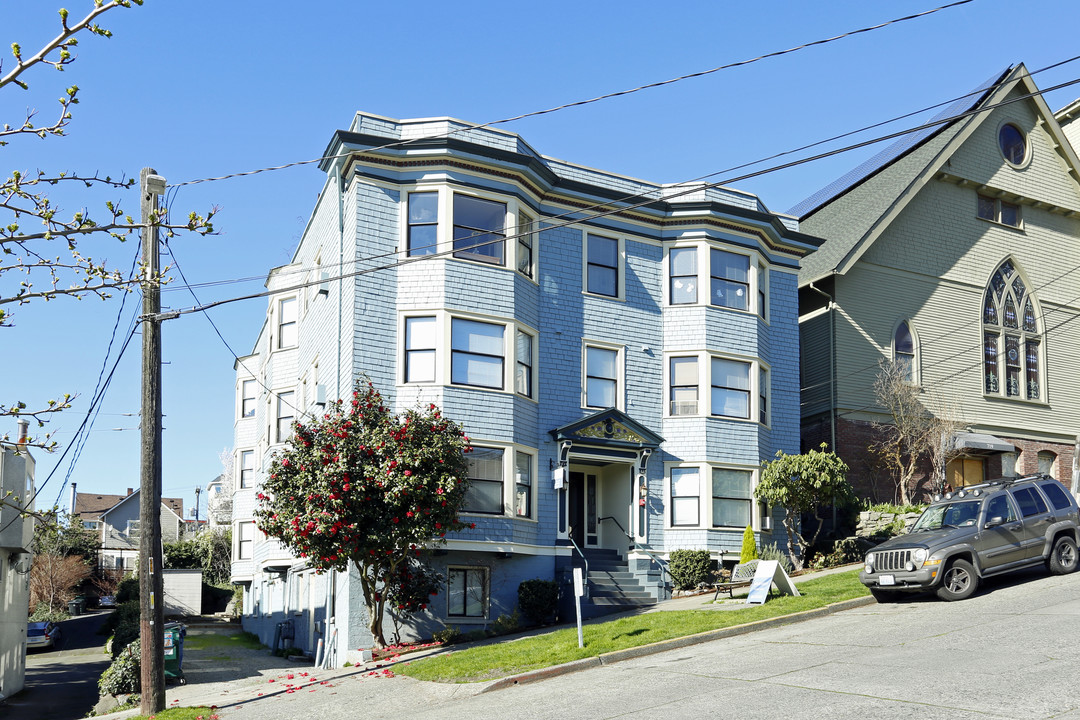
{"x": 1013, "y": 145}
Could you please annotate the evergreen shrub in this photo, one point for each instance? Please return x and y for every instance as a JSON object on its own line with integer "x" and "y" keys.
{"x": 690, "y": 568}
{"x": 538, "y": 600}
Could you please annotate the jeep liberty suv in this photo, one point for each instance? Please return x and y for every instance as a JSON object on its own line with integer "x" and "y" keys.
{"x": 976, "y": 532}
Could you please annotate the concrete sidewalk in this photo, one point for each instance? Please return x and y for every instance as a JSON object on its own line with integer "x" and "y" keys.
{"x": 253, "y": 684}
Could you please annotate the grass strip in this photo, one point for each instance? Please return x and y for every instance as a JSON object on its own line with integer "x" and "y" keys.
{"x": 511, "y": 657}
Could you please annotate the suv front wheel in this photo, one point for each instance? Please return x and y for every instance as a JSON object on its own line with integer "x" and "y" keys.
{"x": 959, "y": 581}
{"x": 1063, "y": 557}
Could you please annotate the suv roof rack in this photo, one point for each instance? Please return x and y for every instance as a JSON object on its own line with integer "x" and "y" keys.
{"x": 1002, "y": 482}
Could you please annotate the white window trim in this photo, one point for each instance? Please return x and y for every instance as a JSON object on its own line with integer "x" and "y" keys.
{"x": 240, "y": 468}
{"x": 534, "y": 265}
{"x": 509, "y": 479}
{"x": 276, "y": 322}
{"x": 620, "y": 272}
{"x": 240, "y": 398}
{"x": 704, "y": 358}
{"x": 444, "y": 233}
{"x": 620, "y": 372}
{"x": 275, "y": 403}
{"x": 239, "y": 539}
{"x": 759, "y": 266}
{"x": 705, "y": 496}
{"x": 443, "y": 355}
{"x": 915, "y": 358}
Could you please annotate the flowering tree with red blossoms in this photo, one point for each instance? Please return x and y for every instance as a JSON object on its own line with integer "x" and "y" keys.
{"x": 366, "y": 485}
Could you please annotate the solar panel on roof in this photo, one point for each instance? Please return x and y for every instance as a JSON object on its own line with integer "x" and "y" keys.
{"x": 899, "y": 148}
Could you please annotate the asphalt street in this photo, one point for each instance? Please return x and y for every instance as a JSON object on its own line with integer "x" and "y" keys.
{"x": 1008, "y": 652}
{"x": 61, "y": 682}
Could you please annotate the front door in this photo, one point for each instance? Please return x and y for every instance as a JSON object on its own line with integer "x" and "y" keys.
{"x": 584, "y": 509}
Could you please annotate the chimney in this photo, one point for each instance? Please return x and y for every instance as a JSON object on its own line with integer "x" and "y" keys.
{"x": 71, "y": 505}
{"x": 130, "y": 491}
{"x": 24, "y": 431}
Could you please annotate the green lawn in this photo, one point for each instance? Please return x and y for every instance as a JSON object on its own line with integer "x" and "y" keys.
{"x": 511, "y": 657}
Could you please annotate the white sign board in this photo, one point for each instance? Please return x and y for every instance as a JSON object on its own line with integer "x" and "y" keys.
{"x": 769, "y": 572}
{"x": 558, "y": 477}
{"x": 579, "y": 584}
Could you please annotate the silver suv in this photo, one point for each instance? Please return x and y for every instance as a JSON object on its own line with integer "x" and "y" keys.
{"x": 979, "y": 531}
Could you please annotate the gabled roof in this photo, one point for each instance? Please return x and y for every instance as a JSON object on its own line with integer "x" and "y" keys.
{"x": 873, "y": 194}
{"x": 91, "y": 506}
{"x": 608, "y": 427}
{"x": 174, "y": 505}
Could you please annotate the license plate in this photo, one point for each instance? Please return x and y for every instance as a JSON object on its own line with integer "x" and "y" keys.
{"x": 887, "y": 580}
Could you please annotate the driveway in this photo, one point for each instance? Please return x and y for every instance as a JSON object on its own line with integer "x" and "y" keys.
{"x": 61, "y": 682}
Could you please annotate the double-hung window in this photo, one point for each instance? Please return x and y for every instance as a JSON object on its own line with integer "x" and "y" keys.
{"x": 763, "y": 396}
{"x": 602, "y": 267}
{"x": 485, "y": 493}
{"x": 247, "y": 398}
{"x": 467, "y": 592}
{"x": 285, "y": 414}
{"x": 423, "y": 234}
{"x": 730, "y": 274}
{"x": 526, "y": 234}
{"x": 601, "y": 377}
{"x": 523, "y": 372}
{"x": 476, "y": 353}
{"x": 246, "y": 542}
{"x": 247, "y": 468}
{"x": 731, "y": 497}
{"x": 682, "y": 264}
{"x": 287, "y": 323}
{"x": 523, "y": 485}
{"x": 420, "y": 349}
{"x": 685, "y": 497}
{"x": 479, "y": 229}
{"x": 684, "y": 385}
{"x": 730, "y": 388}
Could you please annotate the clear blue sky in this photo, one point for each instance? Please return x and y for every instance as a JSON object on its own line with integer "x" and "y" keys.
{"x": 198, "y": 89}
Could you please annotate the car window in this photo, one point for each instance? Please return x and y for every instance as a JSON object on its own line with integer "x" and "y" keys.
{"x": 956, "y": 514}
{"x": 1002, "y": 508}
{"x": 1030, "y": 502}
{"x": 1056, "y": 494}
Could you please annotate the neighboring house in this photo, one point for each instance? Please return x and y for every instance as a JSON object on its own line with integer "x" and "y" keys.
{"x": 116, "y": 520}
{"x": 622, "y": 354}
{"x": 16, "y": 534}
{"x": 219, "y": 492}
{"x": 954, "y": 253}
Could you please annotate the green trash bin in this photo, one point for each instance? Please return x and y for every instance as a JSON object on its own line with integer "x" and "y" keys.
{"x": 174, "y": 651}
{"x": 73, "y": 607}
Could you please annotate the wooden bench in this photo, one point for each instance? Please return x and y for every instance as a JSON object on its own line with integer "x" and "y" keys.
{"x": 740, "y": 576}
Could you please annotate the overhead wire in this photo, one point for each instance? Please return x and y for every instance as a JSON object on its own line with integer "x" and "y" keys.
{"x": 697, "y": 188}
{"x": 598, "y": 98}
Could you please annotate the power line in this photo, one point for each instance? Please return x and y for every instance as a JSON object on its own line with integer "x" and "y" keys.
{"x": 579, "y": 103}
{"x": 632, "y": 206}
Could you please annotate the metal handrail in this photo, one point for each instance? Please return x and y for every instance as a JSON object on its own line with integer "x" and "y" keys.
{"x": 585, "y": 579}
{"x": 635, "y": 545}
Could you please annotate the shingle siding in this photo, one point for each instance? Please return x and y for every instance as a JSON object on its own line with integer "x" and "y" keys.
{"x": 358, "y": 324}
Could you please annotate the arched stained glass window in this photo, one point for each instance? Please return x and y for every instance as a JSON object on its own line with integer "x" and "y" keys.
{"x": 904, "y": 350}
{"x": 1012, "y": 343}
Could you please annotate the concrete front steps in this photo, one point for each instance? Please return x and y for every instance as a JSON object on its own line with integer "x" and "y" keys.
{"x": 612, "y": 587}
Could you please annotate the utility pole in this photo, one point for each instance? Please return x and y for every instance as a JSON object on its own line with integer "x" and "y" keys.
{"x": 151, "y": 602}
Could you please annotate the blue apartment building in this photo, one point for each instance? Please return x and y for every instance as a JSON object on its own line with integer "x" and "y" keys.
{"x": 623, "y": 355}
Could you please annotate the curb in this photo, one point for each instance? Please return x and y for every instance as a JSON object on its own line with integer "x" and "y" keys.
{"x": 673, "y": 644}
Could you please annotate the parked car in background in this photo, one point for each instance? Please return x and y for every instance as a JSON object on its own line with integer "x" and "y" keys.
{"x": 976, "y": 532}
{"x": 42, "y": 634}
{"x": 107, "y": 601}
